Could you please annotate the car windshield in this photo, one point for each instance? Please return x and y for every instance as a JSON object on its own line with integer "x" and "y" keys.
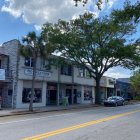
{"x": 112, "y": 98}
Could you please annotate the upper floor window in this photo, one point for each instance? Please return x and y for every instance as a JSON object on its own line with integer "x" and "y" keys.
{"x": 111, "y": 82}
{"x": 83, "y": 73}
{"x": 66, "y": 70}
{"x": 28, "y": 61}
{"x": 45, "y": 64}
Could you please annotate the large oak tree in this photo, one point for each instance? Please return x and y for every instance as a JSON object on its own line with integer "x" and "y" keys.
{"x": 97, "y": 44}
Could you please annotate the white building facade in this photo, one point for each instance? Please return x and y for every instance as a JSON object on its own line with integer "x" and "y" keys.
{"x": 51, "y": 85}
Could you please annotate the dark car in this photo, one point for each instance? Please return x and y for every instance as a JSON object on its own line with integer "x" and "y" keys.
{"x": 114, "y": 101}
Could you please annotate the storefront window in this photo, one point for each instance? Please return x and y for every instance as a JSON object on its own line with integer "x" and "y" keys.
{"x": 26, "y": 95}
{"x": 87, "y": 95}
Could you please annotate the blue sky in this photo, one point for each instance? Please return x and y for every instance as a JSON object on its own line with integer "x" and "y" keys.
{"x": 12, "y": 28}
{"x": 18, "y": 17}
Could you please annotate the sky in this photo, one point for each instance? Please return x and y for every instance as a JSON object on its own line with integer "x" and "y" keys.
{"x": 18, "y": 17}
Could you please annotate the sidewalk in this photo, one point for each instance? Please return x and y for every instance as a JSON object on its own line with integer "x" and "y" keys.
{"x": 12, "y": 112}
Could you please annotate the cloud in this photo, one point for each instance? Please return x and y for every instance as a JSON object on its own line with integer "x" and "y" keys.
{"x": 41, "y": 11}
{"x": 111, "y": 2}
{"x": 118, "y": 72}
{"x": 38, "y": 12}
{"x": 38, "y": 27}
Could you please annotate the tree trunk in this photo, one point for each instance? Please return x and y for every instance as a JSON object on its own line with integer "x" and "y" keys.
{"x": 97, "y": 91}
{"x": 33, "y": 83}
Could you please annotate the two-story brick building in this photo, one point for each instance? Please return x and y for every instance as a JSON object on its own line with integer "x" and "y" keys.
{"x": 51, "y": 85}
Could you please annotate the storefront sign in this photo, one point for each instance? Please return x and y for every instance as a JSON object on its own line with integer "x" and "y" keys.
{"x": 38, "y": 73}
{"x": 2, "y": 74}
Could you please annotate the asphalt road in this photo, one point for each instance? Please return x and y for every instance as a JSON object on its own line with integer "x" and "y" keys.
{"x": 98, "y": 123}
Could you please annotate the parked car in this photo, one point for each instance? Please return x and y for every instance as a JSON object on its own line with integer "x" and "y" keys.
{"x": 114, "y": 101}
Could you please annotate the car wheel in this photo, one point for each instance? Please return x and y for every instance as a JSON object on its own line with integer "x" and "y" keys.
{"x": 116, "y": 104}
{"x": 123, "y": 103}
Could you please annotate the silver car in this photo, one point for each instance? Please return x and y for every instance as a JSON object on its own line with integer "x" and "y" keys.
{"x": 114, "y": 101}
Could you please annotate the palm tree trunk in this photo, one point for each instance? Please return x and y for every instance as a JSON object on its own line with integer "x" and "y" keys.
{"x": 33, "y": 83}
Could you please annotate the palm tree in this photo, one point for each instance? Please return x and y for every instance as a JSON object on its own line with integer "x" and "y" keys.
{"x": 32, "y": 47}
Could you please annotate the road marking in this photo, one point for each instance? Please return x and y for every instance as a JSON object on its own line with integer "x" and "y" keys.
{"x": 71, "y": 128}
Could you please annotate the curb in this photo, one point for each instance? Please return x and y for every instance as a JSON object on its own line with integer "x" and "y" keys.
{"x": 133, "y": 103}
{"x": 18, "y": 113}
{"x": 42, "y": 111}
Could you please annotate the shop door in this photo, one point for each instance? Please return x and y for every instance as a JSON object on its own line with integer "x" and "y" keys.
{"x": 68, "y": 94}
{"x": 75, "y": 96}
{"x": 52, "y": 97}
{"x": 52, "y": 94}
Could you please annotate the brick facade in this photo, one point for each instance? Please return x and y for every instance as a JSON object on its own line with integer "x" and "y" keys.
{"x": 9, "y": 63}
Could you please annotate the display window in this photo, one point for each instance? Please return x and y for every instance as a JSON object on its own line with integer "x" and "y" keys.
{"x": 26, "y": 95}
{"x": 87, "y": 95}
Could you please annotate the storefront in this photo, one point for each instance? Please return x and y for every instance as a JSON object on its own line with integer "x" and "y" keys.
{"x": 103, "y": 91}
{"x": 70, "y": 92}
{"x": 88, "y": 95}
{"x": 24, "y": 94}
{"x": 6, "y": 95}
{"x": 110, "y": 92}
{"x": 76, "y": 94}
{"x": 51, "y": 94}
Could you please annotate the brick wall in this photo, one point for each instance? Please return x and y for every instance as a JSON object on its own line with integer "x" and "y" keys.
{"x": 11, "y": 49}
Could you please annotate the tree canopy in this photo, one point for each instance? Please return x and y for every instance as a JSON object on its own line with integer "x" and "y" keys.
{"x": 98, "y": 2}
{"x": 135, "y": 82}
{"x": 97, "y": 44}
